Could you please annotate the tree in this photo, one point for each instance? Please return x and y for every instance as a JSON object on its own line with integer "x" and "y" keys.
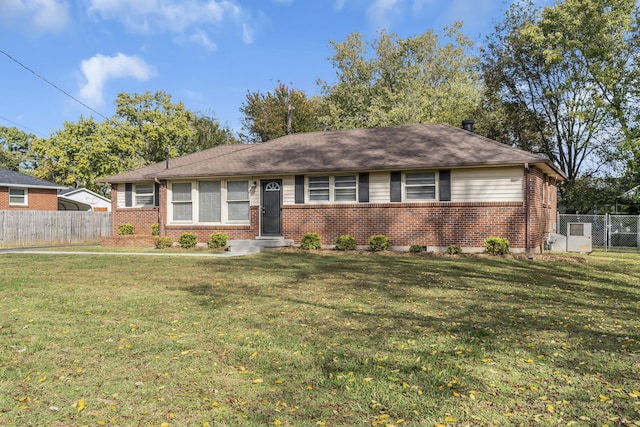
{"x": 272, "y": 115}
{"x": 208, "y": 133}
{"x": 82, "y": 152}
{"x": 562, "y": 78}
{"x": 155, "y": 126}
{"x": 15, "y": 149}
{"x": 394, "y": 81}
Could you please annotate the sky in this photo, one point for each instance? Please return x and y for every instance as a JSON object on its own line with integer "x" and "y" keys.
{"x": 62, "y": 59}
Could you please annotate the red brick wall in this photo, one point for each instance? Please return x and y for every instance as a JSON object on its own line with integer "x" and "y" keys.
{"x": 38, "y": 199}
{"x": 436, "y": 224}
{"x": 141, "y": 218}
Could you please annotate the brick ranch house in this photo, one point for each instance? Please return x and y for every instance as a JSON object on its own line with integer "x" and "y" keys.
{"x": 432, "y": 185}
{"x": 23, "y": 192}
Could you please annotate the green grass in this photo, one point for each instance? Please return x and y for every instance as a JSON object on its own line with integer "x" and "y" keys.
{"x": 306, "y": 339}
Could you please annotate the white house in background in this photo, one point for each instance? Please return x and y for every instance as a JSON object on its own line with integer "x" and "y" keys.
{"x": 81, "y": 199}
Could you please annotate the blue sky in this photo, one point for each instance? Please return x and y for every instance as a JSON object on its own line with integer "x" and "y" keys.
{"x": 205, "y": 53}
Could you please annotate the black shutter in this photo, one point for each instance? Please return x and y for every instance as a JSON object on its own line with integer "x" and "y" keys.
{"x": 445, "y": 185}
{"x": 299, "y": 189}
{"x": 363, "y": 187}
{"x": 156, "y": 194}
{"x": 396, "y": 186}
{"x": 128, "y": 197}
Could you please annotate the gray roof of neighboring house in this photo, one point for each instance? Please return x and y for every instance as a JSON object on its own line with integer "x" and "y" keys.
{"x": 9, "y": 178}
{"x": 423, "y": 146}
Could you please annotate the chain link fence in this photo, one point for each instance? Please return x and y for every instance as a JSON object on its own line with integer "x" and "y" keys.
{"x": 608, "y": 232}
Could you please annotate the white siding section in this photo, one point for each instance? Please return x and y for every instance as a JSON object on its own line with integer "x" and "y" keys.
{"x": 289, "y": 190}
{"x": 379, "y": 184}
{"x": 120, "y": 189}
{"x": 487, "y": 185}
{"x": 254, "y": 195}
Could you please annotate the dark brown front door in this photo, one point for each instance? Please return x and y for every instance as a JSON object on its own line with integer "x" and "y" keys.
{"x": 271, "y": 196}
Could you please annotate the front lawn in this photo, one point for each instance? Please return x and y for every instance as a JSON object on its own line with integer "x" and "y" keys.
{"x": 306, "y": 339}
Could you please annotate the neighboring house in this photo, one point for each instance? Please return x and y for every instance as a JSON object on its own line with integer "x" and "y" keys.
{"x": 23, "y": 192}
{"x": 432, "y": 185}
{"x": 81, "y": 199}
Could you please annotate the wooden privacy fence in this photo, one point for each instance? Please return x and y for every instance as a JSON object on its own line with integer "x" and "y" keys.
{"x": 21, "y": 228}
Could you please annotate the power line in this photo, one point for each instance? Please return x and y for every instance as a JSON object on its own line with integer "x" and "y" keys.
{"x": 52, "y": 84}
{"x": 22, "y": 126}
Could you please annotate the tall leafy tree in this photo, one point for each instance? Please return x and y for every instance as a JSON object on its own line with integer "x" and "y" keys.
{"x": 15, "y": 149}
{"x": 563, "y": 77}
{"x": 278, "y": 113}
{"x": 82, "y": 152}
{"x": 394, "y": 81}
{"x": 208, "y": 133}
{"x": 155, "y": 125}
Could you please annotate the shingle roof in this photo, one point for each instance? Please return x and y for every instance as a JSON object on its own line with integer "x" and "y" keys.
{"x": 422, "y": 146}
{"x": 9, "y": 178}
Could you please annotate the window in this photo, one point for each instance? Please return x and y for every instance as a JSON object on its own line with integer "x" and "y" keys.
{"x": 209, "y": 209}
{"x": 181, "y": 201}
{"x": 238, "y": 200}
{"x": 144, "y": 194}
{"x": 319, "y": 188}
{"x": 18, "y": 196}
{"x": 333, "y": 189}
{"x": 344, "y": 188}
{"x": 420, "y": 185}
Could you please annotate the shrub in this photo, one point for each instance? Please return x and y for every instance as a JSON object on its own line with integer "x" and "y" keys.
{"x": 346, "y": 242}
{"x": 379, "y": 242}
{"x": 155, "y": 229}
{"x": 188, "y": 240}
{"x": 414, "y": 249}
{"x": 310, "y": 241}
{"x": 217, "y": 240}
{"x": 163, "y": 242}
{"x": 454, "y": 249}
{"x": 496, "y": 245}
{"x": 125, "y": 229}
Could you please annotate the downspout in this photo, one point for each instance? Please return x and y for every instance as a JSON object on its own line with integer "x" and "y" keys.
{"x": 160, "y": 222}
{"x": 526, "y": 207}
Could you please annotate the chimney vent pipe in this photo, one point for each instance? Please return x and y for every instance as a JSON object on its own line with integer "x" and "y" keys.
{"x": 468, "y": 125}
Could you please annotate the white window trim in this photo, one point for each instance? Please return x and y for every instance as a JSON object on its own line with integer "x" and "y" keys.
{"x": 195, "y": 203}
{"x": 436, "y": 188}
{"x": 25, "y": 196}
{"x": 332, "y": 190}
{"x": 226, "y": 202}
{"x": 135, "y": 196}
{"x": 172, "y": 203}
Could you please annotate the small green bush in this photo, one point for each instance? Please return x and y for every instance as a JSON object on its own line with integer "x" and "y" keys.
{"x": 163, "y": 242}
{"x": 454, "y": 249}
{"x": 155, "y": 229}
{"x": 125, "y": 229}
{"x": 496, "y": 245}
{"x": 188, "y": 240}
{"x": 346, "y": 242}
{"x": 379, "y": 242}
{"x": 414, "y": 249}
{"x": 217, "y": 240}
{"x": 310, "y": 241}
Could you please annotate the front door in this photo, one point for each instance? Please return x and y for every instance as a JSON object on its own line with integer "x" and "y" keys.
{"x": 271, "y": 217}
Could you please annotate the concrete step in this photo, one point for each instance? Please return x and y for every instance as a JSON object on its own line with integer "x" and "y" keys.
{"x": 257, "y": 245}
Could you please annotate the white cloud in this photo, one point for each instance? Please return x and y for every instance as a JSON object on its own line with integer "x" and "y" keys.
{"x": 35, "y": 15}
{"x": 176, "y": 16}
{"x": 383, "y": 12}
{"x": 99, "y": 69}
{"x": 201, "y": 38}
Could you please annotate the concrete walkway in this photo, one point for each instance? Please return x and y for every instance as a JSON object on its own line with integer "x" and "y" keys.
{"x": 227, "y": 254}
